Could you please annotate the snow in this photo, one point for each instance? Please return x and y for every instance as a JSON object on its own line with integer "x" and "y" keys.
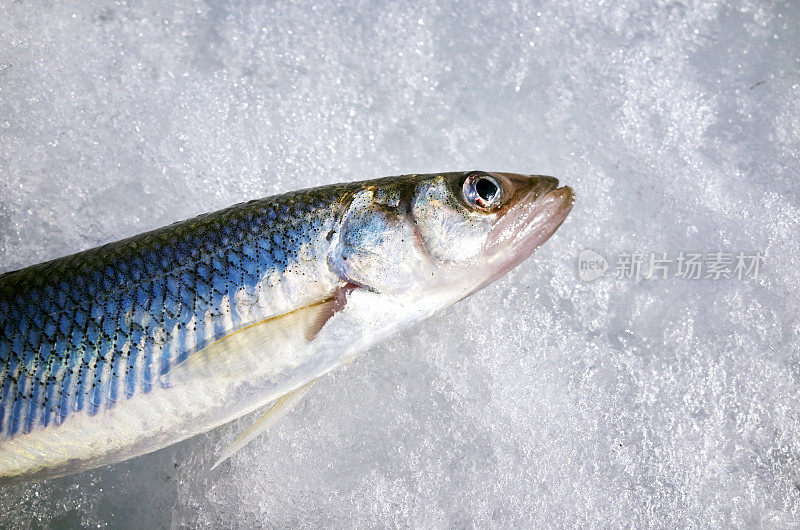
{"x": 541, "y": 401}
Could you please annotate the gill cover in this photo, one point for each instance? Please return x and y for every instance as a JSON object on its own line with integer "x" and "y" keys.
{"x": 452, "y": 230}
{"x": 375, "y": 245}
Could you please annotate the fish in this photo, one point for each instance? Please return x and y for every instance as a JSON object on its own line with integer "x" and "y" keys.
{"x": 135, "y": 345}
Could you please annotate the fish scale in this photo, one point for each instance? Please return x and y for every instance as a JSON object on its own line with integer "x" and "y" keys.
{"x": 72, "y": 329}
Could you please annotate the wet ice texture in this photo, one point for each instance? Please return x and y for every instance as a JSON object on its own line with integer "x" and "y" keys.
{"x": 539, "y": 401}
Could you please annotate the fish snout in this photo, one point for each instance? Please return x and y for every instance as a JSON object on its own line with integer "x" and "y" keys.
{"x": 536, "y": 211}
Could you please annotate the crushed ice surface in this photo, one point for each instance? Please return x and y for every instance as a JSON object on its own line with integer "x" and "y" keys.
{"x": 540, "y": 401}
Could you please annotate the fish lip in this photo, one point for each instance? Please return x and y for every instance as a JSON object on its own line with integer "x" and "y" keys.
{"x": 549, "y": 208}
{"x": 544, "y": 208}
{"x": 529, "y": 223}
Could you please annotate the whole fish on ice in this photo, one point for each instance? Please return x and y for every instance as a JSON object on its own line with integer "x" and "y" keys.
{"x": 135, "y": 345}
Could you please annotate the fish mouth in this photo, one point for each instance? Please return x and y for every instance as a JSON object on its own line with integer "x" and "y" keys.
{"x": 528, "y": 221}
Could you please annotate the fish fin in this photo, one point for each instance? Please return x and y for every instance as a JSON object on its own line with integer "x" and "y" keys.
{"x": 277, "y": 411}
{"x": 249, "y": 349}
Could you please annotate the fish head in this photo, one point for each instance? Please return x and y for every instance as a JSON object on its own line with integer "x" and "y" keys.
{"x": 445, "y": 234}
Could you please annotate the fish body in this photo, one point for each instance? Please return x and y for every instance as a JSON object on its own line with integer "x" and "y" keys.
{"x": 132, "y": 346}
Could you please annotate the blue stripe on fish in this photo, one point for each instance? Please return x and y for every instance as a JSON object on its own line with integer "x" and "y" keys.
{"x": 130, "y": 371}
{"x": 16, "y": 410}
{"x": 49, "y": 398}
{"x": 5, "y": 384}
{"x": 33, "y": 406}
{"x": 114, "y": 381}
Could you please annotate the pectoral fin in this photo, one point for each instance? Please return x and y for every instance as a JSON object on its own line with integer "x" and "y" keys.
{"x": 251, "y": 349}
{"x": 281, "y": 407}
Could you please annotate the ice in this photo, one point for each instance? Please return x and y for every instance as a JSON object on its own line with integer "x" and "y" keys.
{"x": 541, "y": 401}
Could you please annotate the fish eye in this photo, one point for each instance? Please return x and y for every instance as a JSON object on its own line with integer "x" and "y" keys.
{"x": 482, "y": 190}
